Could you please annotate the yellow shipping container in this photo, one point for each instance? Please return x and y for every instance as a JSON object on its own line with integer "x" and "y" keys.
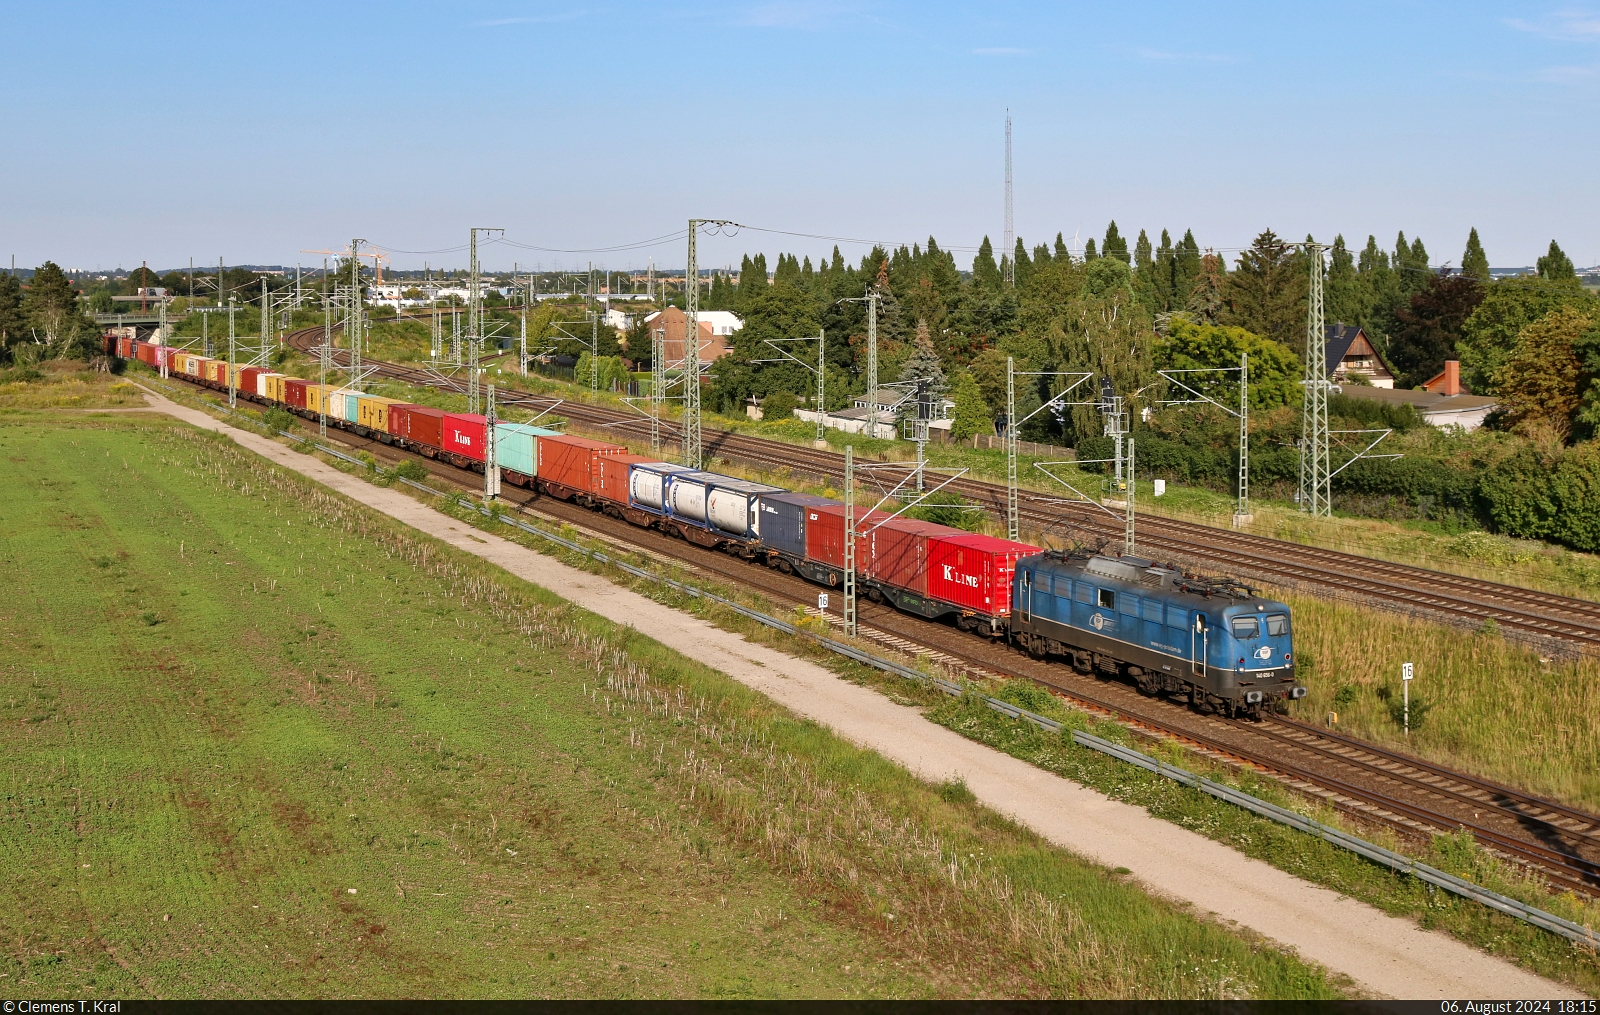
{"x": 275, "y": 387}
{"x": 372, "y": 412}
{"x": 317, "y": 397}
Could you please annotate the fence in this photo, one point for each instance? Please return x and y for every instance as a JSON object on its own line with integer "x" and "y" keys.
{"x": 992, "y": 443}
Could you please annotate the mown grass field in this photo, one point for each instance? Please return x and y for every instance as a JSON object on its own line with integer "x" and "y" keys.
{"x": 261, "y": 742}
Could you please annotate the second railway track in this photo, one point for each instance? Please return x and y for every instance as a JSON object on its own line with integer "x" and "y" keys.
{"x": 1558, "y": 622}
{"x": 1375, "y": 785}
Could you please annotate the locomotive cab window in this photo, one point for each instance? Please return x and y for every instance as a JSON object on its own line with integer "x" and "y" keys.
{"x": 1277, "y": 625}
{"x": 1246, "y": 627}
{"x": 1108, "y": 599}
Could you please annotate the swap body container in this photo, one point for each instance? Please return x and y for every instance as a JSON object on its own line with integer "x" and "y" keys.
{"x": 371, "y": 411}
{"x": 337, "y": 404}
{"x": 464, "y": 435}
{"x": 417, "y": 424}
{"x": 294, "y": 392}
{"x": 514, "y": 446}
{"x": 573, "y": 462}
{"x": 974, "y": 571}
{"x": 647, "y": 484}
{"x": 783, "y": 520}
{"x": 611, "y": 477}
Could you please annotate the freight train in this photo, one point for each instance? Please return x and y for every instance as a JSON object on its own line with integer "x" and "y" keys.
{"x": 1211, "y": 642}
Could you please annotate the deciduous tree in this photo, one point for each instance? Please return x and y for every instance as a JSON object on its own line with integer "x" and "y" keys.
{"x": 1539, "y": 383}
{"x": 1429, "y": 326}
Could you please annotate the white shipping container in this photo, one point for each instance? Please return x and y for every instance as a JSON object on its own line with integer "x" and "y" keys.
{"x": 686, "y": 495}
{"x": 733, "y": 506}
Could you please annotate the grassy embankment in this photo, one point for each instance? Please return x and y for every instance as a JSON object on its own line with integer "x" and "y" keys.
{"x": 1569, "y": 765}
{"x": 65, "y": 384}
{"x": 1479, "y": 701}
{"x": 263, "y": 742}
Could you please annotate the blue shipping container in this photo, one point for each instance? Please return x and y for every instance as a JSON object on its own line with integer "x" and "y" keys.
{"x": 514, "y": 446}
{"x": 783, "y": 520}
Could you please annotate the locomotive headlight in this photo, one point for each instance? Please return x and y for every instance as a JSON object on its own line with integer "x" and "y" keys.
{"x": 1298, "y": 692}
{"x": 1253, "y": 697}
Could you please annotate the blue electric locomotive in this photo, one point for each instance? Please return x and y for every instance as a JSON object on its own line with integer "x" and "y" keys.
{"x": 1209, "y": 640}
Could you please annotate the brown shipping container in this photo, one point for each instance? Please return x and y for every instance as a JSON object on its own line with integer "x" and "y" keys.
{"x": 612, "y": 483}
{"x": 573, "y": 462}
{"x": 418, "y": 424}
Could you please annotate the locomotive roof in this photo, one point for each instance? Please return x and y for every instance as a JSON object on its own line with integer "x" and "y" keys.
{"x": 1149, "y": 576}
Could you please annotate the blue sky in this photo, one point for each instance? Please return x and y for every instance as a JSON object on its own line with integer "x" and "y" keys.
{"x": 165, "y": 131}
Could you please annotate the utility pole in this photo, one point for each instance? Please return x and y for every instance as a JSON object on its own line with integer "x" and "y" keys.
{"x": 475, "y": 318}
{"x": 491, "y": 464}
{"x": 265, "y": 332}
{"x": 1014, "y": 427}
{"x": 1010, "y": 241}
{"x": 594, "y": 347}
{"x": 658, "y": 385}
{"x": 1315, "y": 487}
{"x": 820, "y": 370}
{"x": 527, "y": 308}
{"x": 873, "y": 297}
{"x": 1127, "y": 504}
{"x": 325, "y": 355}
{"x": 233, "y": 344}
{"x": 1241, "y": 514}
{"x": 205, "y": 335}
{"x": 356, "y": 323}
{"x": 849, "y": 541}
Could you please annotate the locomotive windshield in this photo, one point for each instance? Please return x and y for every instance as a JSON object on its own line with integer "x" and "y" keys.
{"x": 1277, "y": 625}
{"x": 1246, "y": 627}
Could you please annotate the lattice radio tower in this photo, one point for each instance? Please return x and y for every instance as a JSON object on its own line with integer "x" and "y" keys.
{"x": 1007, "y": 253}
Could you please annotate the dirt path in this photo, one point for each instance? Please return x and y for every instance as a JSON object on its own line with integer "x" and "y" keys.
{"x": 1386, "y": 955}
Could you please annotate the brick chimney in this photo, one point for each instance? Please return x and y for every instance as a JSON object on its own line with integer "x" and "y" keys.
{"x": 1452, "y": 377}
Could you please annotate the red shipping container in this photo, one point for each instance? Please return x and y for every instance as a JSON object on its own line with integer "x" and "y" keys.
{"x": 612, "y": 481}
{"x": 294, "y": 392}
{"x": 896, "y": 552}
{"x": 573, "y": 462}
{"x": 418, "y": 424}
{"x": 825, "y": 532}
{"x": 247, "y": 379}
{"x": 463, "y": 435}
{"x": 975, "y": 571}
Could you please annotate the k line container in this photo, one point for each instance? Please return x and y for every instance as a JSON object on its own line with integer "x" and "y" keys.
{"x": 975, "y": 571}
{"x": 896, "y": 552}
{"x": 611, "y": 482}
{"x": 783, "y": 520}
{"x": 417, "y": 424}
{"x": 463, "y": 434}
{"x": 573, "y": 462}
{"x": 647, "y": 484}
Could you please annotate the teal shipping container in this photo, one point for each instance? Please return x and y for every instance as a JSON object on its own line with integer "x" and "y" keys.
{"x": 514, "y": 446}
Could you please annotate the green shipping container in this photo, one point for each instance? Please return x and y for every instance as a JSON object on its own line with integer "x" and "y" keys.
{"x": 514, "y": 446}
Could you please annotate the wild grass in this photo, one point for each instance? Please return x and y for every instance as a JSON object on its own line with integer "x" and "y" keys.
{"x": 65, "y": 384}
{"x": 262, "y": 742}
{"x": 1479, "y": 702}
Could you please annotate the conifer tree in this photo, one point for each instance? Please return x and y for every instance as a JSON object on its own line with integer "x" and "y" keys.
{"x": 985, "y": 273}
{"x": 1475, "y": 262}
{"x": 1041, "y": 255}
{"x": 923, "y": 363}
{"x": 1142, "y": 260}
{"x": 1266, "y": 294}
{"x": 1556, "y": 265}
{"x": 1019, "y": 257}
{"x": 1115, "y": 245}
{"x": 1089, "y": 252}
{"x": 1062, "y": 253}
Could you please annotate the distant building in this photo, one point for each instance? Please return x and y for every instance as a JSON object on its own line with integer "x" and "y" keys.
{"x": 1349, "y": 353}
{"x": 1443, "y": 400}
{"x": 716, "y": 332}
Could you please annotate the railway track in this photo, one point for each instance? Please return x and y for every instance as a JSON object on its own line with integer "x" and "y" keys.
{"x": 1560, "y": 623}
{"x": 1378, "y": 786}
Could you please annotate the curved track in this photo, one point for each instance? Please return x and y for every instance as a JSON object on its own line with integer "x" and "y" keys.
{"x": 1556, "y": 621}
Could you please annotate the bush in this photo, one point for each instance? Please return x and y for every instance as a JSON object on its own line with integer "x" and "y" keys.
{"x": 945, "y": 508}
{"x": 779, "y": 406}
{"x": 411, "y": 469}
{"x": 278, "y": 418}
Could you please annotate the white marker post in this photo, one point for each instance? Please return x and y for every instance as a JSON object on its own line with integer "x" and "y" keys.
{"x": 1407, "y": 672}
{"x": 822, "y": 601}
